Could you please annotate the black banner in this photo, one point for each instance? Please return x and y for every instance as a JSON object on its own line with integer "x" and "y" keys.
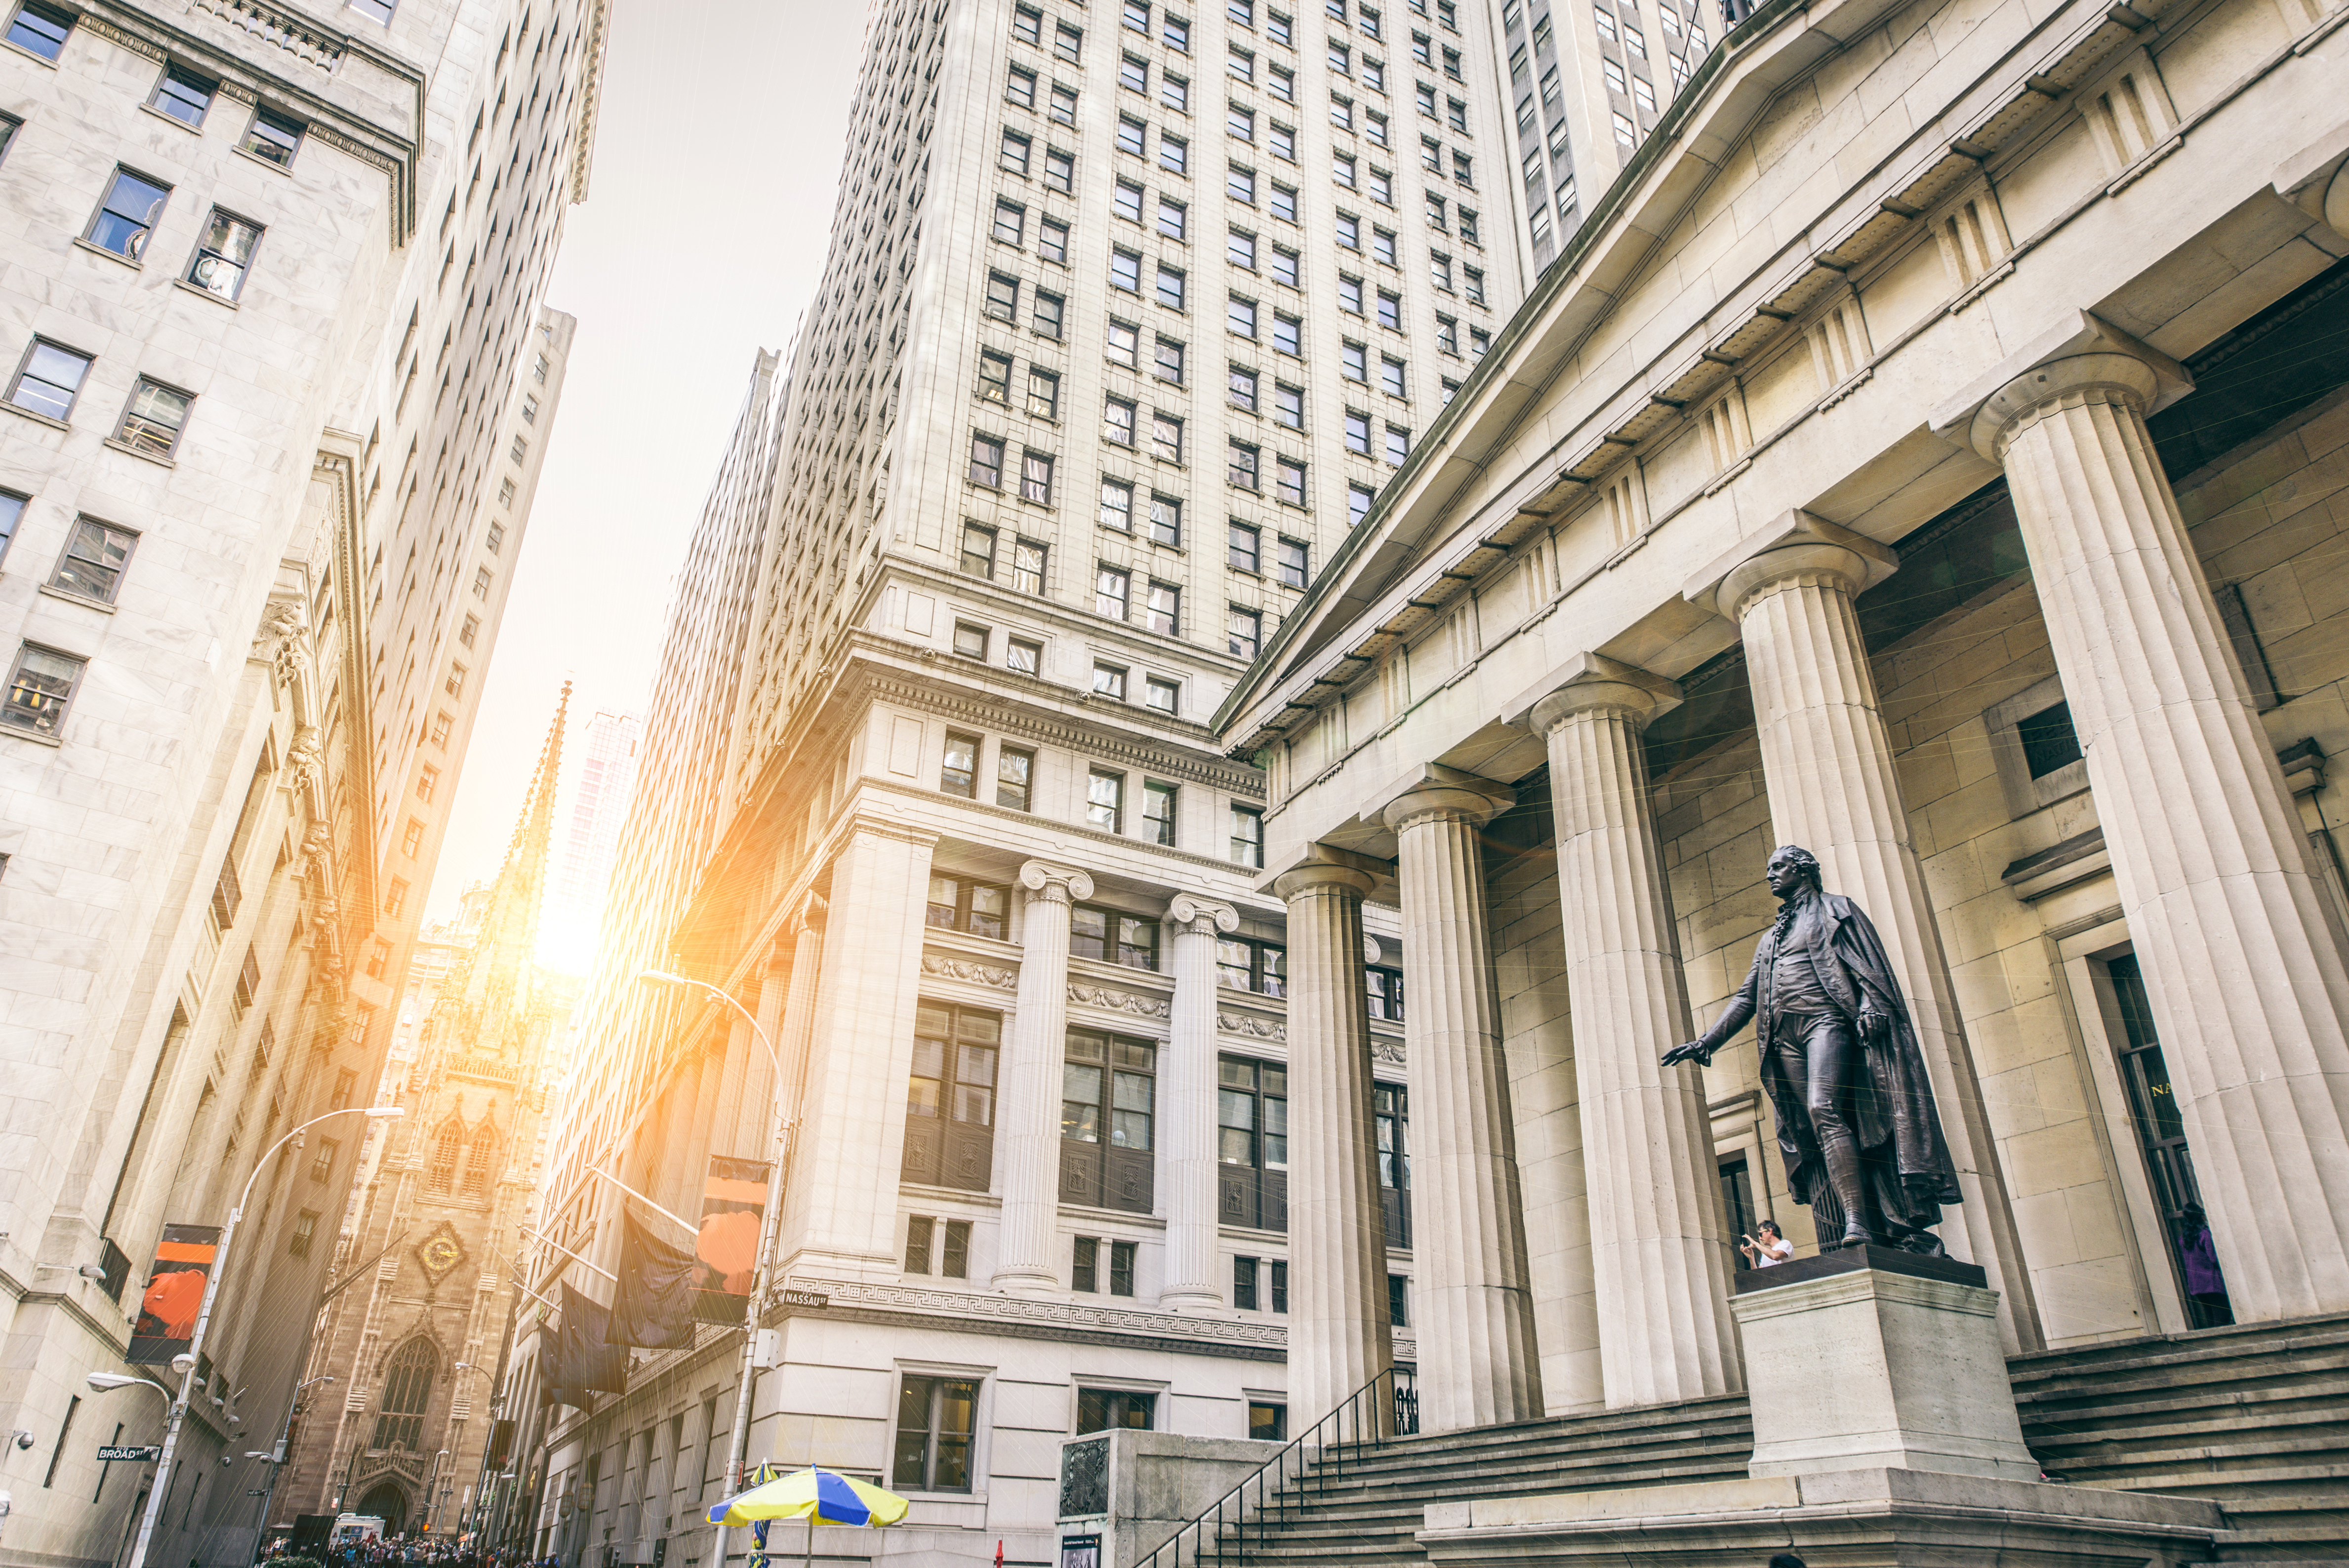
{"x": 654, "y": 1305}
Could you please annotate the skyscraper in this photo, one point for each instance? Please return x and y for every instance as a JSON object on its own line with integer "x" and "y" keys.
{"x": 279, "y": 377}
{"x": 595, "y": 807}
{"x": 1130, "y": 313}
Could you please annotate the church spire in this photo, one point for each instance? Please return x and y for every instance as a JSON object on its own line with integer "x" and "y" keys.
{"x": 494, "y": 989}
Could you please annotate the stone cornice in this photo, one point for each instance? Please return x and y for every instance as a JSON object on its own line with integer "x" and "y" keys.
{"x": 1018, "y": 1317}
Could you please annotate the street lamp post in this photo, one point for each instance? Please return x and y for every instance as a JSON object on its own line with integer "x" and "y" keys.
{"x": 106, "y": 1382}
{"x": 278, "y": 1452}
{"x": 740, "y": 1443}
{"x": 193, "y": 1356}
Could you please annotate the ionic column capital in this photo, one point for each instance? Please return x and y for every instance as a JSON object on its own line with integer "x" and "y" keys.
{"x": 1593, "y": 683}
{"x": 1191, "y": 915}
{"x": 1323, "y": 870}
{"x": 1437, "y": 792}
{"x": 1798, "y": 545}
{"x": 1046, "y": 884}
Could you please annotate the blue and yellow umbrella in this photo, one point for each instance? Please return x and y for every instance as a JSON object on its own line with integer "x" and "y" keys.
{"x": 815, "y": 1495}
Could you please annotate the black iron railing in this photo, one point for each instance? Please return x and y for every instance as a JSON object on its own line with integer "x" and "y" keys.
{"x": 1384, "y": 1409}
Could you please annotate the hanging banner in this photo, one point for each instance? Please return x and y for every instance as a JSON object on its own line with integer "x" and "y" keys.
{"x": 733, "y": 1209}
{"x": 175, "y": 1293}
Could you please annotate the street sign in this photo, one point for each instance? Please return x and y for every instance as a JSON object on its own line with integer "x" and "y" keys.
{"x": 806, "y": 1298}
{"x": 108, "y": 1455}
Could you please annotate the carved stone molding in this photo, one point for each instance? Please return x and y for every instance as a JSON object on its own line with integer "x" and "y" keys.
{"x": 1252, "y": 1026}
{"x": 1386, "y": 1051}
{"x": 1116, "y": 1001}
{"x": 946, "y": 966}
{"x": 1023, "y": 1309}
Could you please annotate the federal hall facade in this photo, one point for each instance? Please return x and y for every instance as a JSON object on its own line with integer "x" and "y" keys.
{"x": 1930, "y": 452}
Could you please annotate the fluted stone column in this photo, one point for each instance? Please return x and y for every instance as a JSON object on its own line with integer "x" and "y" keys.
{"x": 2247, "y": 979}
{"x": 1826, "y": 759}
{"x": 1339, "y": 1337}
{"x": 1660, "y": 1247}
{"x": 1027, "y": 1101}
{"x": 1479, "y": 1364}
{"x": 1186, "y": 1105}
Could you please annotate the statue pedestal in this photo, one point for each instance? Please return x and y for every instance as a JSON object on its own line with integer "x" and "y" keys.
{"x": 1885, "y": 1436}
{"x": 1870, "y": 1359}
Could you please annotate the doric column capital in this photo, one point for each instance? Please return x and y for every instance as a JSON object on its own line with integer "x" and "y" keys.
{"x": 1431, "y": 790}
{"x": 1321, "y": 870}
{"x": 1192, "y": 914}
{"x": 1595, "y": 683}
{"x": 1798, "y": 545}
{"x": 2080, "y": 359}
{"x": 1049, "y": 884}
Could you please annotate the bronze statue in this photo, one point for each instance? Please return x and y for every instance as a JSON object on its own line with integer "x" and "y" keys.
{"x": 1856, "y": 1117}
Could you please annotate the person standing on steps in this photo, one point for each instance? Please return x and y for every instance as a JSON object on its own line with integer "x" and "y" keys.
{"x": 1855, "y": 1116}
{"x": 1767, "y": 1250}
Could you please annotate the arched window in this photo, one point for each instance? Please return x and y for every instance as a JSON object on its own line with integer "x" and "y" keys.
{"x": 480, "y": 1161}
{"x": 406, "y": 1390}
{"x": 445, "y": 1145}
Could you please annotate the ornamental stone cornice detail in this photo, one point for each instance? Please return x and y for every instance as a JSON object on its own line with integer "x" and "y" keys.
{"x": 1022, "y": 1309}
{"x": 1115, "y": 1001}
{"x": 1252, "y": 1026}
{"x": 1388, "y": 1051}
{"x": 946, "y": 966}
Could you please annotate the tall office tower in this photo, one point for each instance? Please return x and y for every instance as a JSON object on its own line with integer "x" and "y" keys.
{"x": 1130, "y": 313}
{"x": 595, "y": 807}
{"x": 254, "y": 562}
{"x": 1588, "y": 80}
{"x": 432, "y": 1232}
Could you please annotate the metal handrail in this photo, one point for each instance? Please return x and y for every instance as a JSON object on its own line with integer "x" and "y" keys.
{"x": 1374, "y": 1423}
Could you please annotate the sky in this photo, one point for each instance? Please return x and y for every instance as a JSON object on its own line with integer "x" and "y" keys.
{"x": 701, "y": 240}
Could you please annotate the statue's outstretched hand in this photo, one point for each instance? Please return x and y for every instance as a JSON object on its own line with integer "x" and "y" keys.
{"x": 1689, "y": 1051}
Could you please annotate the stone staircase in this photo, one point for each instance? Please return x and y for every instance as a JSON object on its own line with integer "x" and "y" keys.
{"x": 1368, "y": 1512}
{"x": 2255, "y": 1418}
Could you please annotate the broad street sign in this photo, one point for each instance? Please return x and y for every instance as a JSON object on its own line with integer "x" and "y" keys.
{"x": 108, "y": 1455}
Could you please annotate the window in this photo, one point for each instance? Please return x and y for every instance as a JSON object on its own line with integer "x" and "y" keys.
{"x": 1349, "y": 231}
{"x": 1385, "y": 989}
{"x": 1108, "y": 1111}
{"x": 1020, "y": 88}
{"x": 481, "y": 580}
{"x": 1390, "y": 1123}
{"x": 1398, "y": 1301}
{"x": 1177, "y": 33}
{"x": 1060, "y": 170}
{"x": 1293, "y": 556}
{"x": 1358, "y": 432}
{"x": 1283, "y": 204}
{"x": 412, "y": 840}
{"x": 40, "y": 29}
{"x": 1287, "y": 335}
{"x": 1112, "y": 590}
{"x": 1390, "y": 310}
{"x": 183, "y": 95}
{"x": 1244, "y": 632}
{"x": 950, "y": 1097}
{"x": 977, "y": 550}
{"x": 1252, "y": 1145}
{"x": 272, "y": 137}
{"x": 958, "y": 774}
{"x": 1113, "y": 936}
{"x": 1241, "y": 469}
{"x": 1289, "y": 405}
{"x": 1241, "y": 65}
{"x": 1010, "y": 229}
{"x": 1028, "y": 566}
{"x": 96, "y": 555}
{"x": 1002, "y": 298}
{"x": 1240, "y": 122}
{"x": 1642, "y": 93}
{"x": 1276, "y": 28}
{"x": 1447, "y": 335}
{"x": 1474, "y": 281}
{"x": 1170, "y": 286}
{"x": 40, "y": 690}
{"x": 1109, "y": 681}
{"x": 1053, "y": 241}
{"x": 1101, "y": 1408}
{"x": 1281, "y": 83}
{"x": 1398, "y": 444}
{"x": 1239, "y": 248}
{"x": 1342, "y": 170}
{"x": 1358, "y": 503}
{"x": 322, "y": 1163}
{"x": 1244, "y": 1281}
{"x": 1132, "y": 134}
{"x": 1173, "y": 218}
{"x": 1239, "y": 315}
{"x": 1247, "y": 837}
{"x": 1268, "y": 1421}
{"x": 1167, "y": 696}
{"x": 1123, "y": 345}
{"x": 1168, "y": 361}
{"x": 952, "y": 1238}
{"x": 428, "y": 781}
{"x": 1117, "y": 504}
{"x": 937, "y": 1419}
{"x": 1166, "y": 519}
{"x": 1167, "y": 436}
{"x": 1036, "y": 476}
{"x": 986, "y": 461}
{"x": 1013, "y": 154}
{"x": 1174, "y": 92}
{"x": 995, "y": 377}
{"x": 1288, "y": 481}
{"x": 407, "y": 1393}
{"x": 151, "y": 423}
{"x": 969, "y": 642}
{"x": 1044, "y": 392}
{"x": 1382, "y": 246}
{"x": 1015, "y": 767}
{"x": 1117, "y": 424}
{"x": 1349, "y": 294}
{"x": 1134, "y": 74}
{"x": 1028, "y": 25}
{"x": 9, "y": 126}
{"x": 442, "y": 724}
{"x": 1243, "y": 388}
{"x": 1164, "y": 609}
{"x": 1105, "y": 801}
{"x": 1137, "y": 16}
{"x": 2048, "y": 740}
{"x": 1241, "y": 546}
{"x": 1174, "y": 154}
{"x": 133, "y": 205}
{"x": 1046, "y": 322}
{"x": 1125, "y": 272}
{"x": 1068, "y": 43}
